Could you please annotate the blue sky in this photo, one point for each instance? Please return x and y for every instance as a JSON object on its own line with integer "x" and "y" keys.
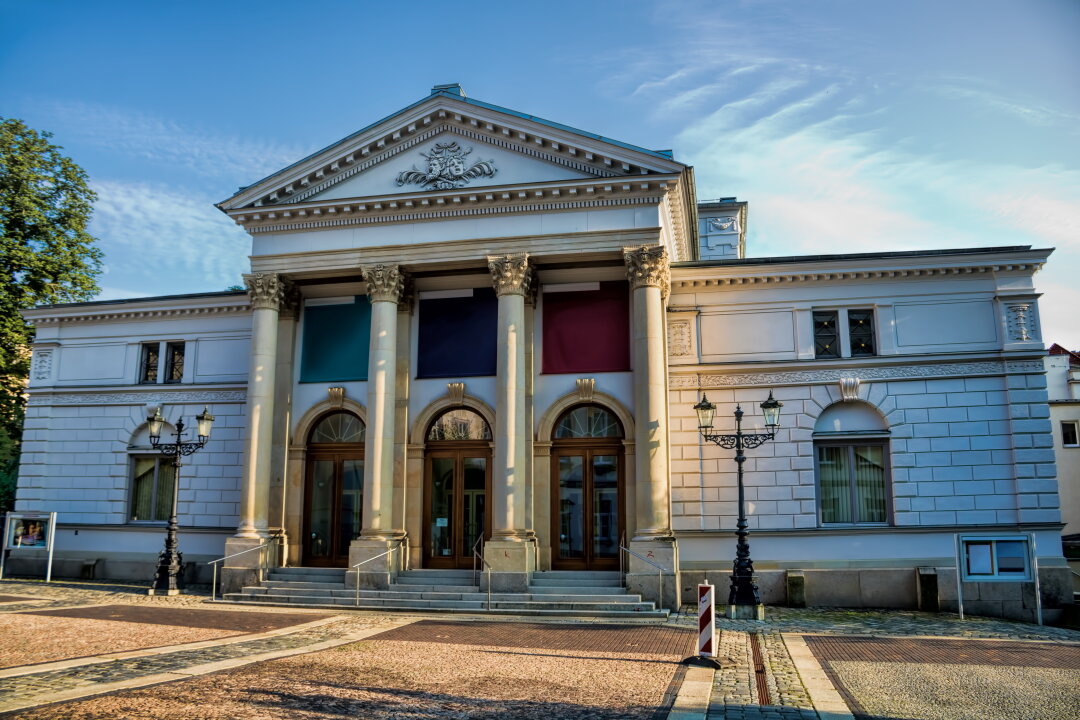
{"x": 848, "y": 126}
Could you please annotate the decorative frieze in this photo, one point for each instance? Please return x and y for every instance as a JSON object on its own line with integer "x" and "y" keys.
{"x": 142, "y": 314}
{"x": 447, "y": 168}
{"x": 511, "y": 274}
{"x": 748, "y": 275}
{"x": 266, "y": 290}
{"x": 648, "y": 267}
{"x": 1021, "y": 324}
{"x": 147, "y": 397}
{"x": 895, "y": 372}
{"x": 680, "y": 343}
{"x": 43, "y": 364}
{"x": 385, "y": 282}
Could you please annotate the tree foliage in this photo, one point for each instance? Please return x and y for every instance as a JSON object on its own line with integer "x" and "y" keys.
{"x": 46, "y": 254}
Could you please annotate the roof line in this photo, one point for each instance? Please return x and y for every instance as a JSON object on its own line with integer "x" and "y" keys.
{"x": 125, "y": 301}
{"x": 666, "y": 155}
{"x": 854, "y": 256}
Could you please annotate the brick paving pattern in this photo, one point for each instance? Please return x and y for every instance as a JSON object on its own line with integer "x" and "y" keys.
{"x": 241, "y": 621}
{"x": 630, "y": 639}
{"x": 12, "y": 598}
{"x": 25, "y": 687}
{"x": 951, "y": 652}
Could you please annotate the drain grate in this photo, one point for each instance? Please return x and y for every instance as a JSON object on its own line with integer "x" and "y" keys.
{"x": 759, "y": 670}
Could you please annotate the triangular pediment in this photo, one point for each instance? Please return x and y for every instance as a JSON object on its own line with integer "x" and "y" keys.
{"x": 446, "y": 161}
{"x": 519, "y": 149}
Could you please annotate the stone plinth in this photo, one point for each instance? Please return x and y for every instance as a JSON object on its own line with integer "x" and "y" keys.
{"x": 745, "y": 612}
{"x": 512, "y": 564}
{"x": 243, "y": 570}
{"x": 643, "y": 579}
{"x": 378, "y": 573}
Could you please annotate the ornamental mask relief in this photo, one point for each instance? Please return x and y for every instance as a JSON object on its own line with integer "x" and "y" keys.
{"x": 447, "y": 168}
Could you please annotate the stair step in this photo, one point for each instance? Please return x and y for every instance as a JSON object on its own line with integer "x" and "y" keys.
{"x": 308, "y": 592}
{"x": 636, "y": 611}
{"x": 413, "y": 587}
{"x": 581, "y": 589}
{"x": 539, "y": 579}
{"x": 277, "y": 583}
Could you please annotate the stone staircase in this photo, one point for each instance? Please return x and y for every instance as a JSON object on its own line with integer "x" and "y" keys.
{"x": 553, "y": 593}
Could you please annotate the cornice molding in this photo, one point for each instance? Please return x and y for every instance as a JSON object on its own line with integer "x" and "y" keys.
{"x": 833, "y": 375}
{"x": 138, "y": 397}
{"x": 404, "y": 131}
{"x": 149, "y": 313}
{"x": 756, "y": 276}
{"x": 560, "y": 195}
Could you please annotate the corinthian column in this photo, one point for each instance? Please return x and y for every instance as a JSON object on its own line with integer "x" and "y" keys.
{"x": 385, "y": 283}
{"x": 511, "y": 275}
{"x": 647, "y": 270}
{"x": 649, "y": 275}
{"x": 266, "y": 291}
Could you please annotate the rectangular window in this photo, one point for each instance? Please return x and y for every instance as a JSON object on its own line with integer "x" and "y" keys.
{"x": 336, "y": 336}
{"x": 996, "y": 558}
{"x": 853, "y": 482}
{"x": 174, "y": 362}
{"x": 151, "y": 489}
{"x": 826, "y": 336}
{"x": 148, "y": 366}
{"x": 458, "y": 334}
{"x": 1070, "y": 433}
{"x": 587, "y": 330}
{"x": 861, "y": 332}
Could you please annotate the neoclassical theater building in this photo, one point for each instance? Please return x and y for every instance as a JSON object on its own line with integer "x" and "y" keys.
{"x": 470, "y": 330}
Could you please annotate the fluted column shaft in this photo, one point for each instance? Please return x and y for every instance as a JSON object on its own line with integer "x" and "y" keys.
{"x": 511, "y": 275}
{"x": 266, "y": 291}
{"x": 647, "y": 270}
{"x": 384, "y": 290}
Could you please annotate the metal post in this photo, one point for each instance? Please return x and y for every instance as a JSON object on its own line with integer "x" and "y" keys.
{"x": 744, "y": 590}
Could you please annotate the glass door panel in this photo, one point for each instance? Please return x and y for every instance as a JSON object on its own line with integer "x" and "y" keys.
{"x": 474, "y": 505}
{"x": 441, "y": 506}
{"x": 571, "y": 507}
{"x": 605, "y": 506}
{"x": 352, "y": 503}
{"x": 321, "y": 512}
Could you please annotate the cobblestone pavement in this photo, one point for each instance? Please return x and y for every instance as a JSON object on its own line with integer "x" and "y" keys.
{"x": 735, "y": 687}
{"x": 837, "y": 621}
{"x": 32, "y": 687}
{"x": 39, "y": 595}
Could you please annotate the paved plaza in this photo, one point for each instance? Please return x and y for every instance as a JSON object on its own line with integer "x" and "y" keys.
{"x": 83, "y": 650}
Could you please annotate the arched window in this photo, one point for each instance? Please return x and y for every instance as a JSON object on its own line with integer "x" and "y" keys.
{"x": 152, "y": 477}
{"x": 587, "y": 489}
{"x": 339, "y": 427}
{"x": 459, "y": 424}
{"x": 588, "y": 421}
{"x": 851, "y": 446}
{"x": 334, "y": 489}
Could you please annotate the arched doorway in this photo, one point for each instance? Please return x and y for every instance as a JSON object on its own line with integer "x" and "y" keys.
{"x": 587, "y": 487}
{"x": 333, "y": 489}
{"x": 457, "y": 486}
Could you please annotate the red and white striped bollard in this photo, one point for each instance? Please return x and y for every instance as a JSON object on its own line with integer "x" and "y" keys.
{"x": 706, "y": 609}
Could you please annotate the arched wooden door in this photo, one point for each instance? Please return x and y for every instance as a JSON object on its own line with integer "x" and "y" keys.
{"x": 587, "y": 489}
{"x": 457, "y": 488}
{"x": 333, "y": 489}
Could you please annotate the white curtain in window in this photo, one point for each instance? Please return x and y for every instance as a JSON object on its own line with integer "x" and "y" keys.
{"x": 834, "y": 477}
{"x": 870, "y": 483}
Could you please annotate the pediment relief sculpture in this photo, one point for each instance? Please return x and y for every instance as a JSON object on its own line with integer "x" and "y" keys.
{"x": 447, "y": 168}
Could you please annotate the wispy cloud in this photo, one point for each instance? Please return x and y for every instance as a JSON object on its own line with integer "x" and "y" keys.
{"x": 159, "y": 240}
{"x": 167, "y": 143}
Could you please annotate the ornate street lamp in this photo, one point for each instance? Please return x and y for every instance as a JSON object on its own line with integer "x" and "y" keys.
{"x": 170, "y": 559}
{"x": 743, "y": 598}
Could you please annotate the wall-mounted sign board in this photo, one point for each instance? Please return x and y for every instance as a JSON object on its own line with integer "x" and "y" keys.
{"x": 997, "y": 558}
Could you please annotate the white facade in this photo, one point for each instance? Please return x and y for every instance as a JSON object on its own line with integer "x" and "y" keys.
{"x": 1063, "y": 381}
{"x": 947, "y": 380}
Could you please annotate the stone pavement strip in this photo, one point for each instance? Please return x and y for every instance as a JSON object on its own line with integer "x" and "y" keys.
{"x": 31, "y": 686}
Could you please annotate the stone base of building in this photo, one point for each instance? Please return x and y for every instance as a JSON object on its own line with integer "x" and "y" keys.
{"x": 645, "y": 579}
{"x": 245, "y": 568}
{"x": 381, "y": 561}
{"x": 512, "y": 563}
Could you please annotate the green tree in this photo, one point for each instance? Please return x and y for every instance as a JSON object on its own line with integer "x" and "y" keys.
{"x": 46, "y": 256}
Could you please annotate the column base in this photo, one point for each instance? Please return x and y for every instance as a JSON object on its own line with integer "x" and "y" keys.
{"x": 745, "y": 612}
{"x": 243, "y": 570}
{"x": 644, "y": 579}
{"x": 512, "y": 564}
{"x": 379, "y": 572}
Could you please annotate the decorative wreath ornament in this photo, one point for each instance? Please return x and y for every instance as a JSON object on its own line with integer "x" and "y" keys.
{"x": 447, "y": 169}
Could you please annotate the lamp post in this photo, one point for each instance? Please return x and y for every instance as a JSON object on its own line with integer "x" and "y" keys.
{"x": 744, "y": 591}
{"x": 170, "y": 559}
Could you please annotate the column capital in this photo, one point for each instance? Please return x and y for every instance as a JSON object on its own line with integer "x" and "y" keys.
{"x": 511, "y": 274}
{"x": 266, "y": 290}
{"x": 647, "y": 266}
{"x": 385, "y": 282}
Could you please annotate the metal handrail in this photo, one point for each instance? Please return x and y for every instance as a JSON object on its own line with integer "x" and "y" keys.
{"x": 365, "y": 562}
{"x": 487, "y": 569}
{"x": 214, "y": 563}
{"x": 659, "y": 572}
{"x": 480, "y": 542}
{"x": 622, "y": 566}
